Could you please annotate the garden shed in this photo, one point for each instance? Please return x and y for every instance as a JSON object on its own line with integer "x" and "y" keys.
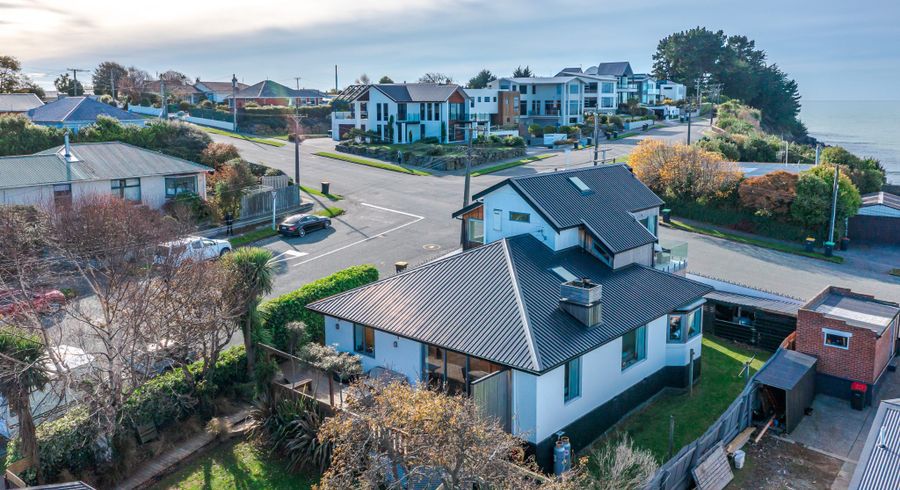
{"x": 787, "y": 386}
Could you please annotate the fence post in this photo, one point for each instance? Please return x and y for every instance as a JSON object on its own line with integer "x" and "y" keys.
{"x": 691, "y": 375}
{"x": 671, "y": 436}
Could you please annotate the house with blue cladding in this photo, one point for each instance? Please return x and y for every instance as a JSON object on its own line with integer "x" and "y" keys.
{"x": 555, "y": 317}
{"x": 77, "y": 112}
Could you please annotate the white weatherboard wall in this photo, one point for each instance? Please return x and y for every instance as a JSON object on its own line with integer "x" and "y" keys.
{"x": 405, "y": 358}
{"x": 505, "y": 200}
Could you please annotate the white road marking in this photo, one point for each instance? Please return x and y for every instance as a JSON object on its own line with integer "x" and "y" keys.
{"x": 291, "y": 254}
{"x": 404, "y": 225}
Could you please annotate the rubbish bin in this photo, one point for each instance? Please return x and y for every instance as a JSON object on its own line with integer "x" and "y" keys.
{"x": 829, "y": 249}
{"x": 326, "y": 186}
{"x": 858, "y": 395}
{"x": 810, "y": 244}
{"x": 667, "y": 215}
{"x": 845, "y": 244}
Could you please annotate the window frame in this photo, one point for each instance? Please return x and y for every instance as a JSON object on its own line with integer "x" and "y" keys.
{"x": 470, "y": 230}
{"x": 640, "y": 347}
{"x": 826, "y": 332}
{"x": 572, "y": 380}
{"x": 517, "y": 216}
{"x": 119, "y": 187}
{"x": 179, "y": 178}
{"x": 363, "y": 349}
{"x": 688, "y": 322}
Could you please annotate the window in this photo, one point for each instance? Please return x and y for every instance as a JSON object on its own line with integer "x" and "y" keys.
{"x": 836, "y": 338}
{"x": 573, "y": 88}
{"x": 534, "y": 89}
{"x": 401, "y": 112}
{"x": 495, "y": 99}
{"x": 479, "y": 99}
{"x": 62, "y": 194}
{"x": 377, "y": 112}
{"x": 675, "y": 328}
{"x": 634, "y": 347}
{"x": 520, "y": 217}
{"x": 475, "y": 230}
{"x": 600, "y": 252}
{"x": 535, "y": 107}
{"x": 430, "y": 111}
{"x": 572, "y": 381}
{"x": 364, "y": 340}
{"x": 127, "y": 189}
{"x": 573, "y": 107}
{"x": 498, "y": 219}
{"x": 180, "y": 185}
{"x": 685, "y": 326}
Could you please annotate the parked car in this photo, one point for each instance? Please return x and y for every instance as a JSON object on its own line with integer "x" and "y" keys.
{"x": 301, "y": 224}
{"x": 163, "y": 357}
{"x": 12, "y": 302}
{"x": 191, "y": 248}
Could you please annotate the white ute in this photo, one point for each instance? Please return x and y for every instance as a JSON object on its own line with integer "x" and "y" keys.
{"x": 191, "y": 248}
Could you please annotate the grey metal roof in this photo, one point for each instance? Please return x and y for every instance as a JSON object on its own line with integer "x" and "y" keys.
{"x": 879, "y": 462}
{"x": 74, "y": 485}
{"x": 616, "y": 192}
{"x": 500, "y": 302}
{"x": 785, "y": 307}
{"x": 855, "y": 310}
{"x": 786, "y": 369}
{"x": 570, "y": 70}
{"x": 268, "y": 89}
{"x": 218, "y": 87}
{"x": 78, "y": 109}
{"x": 417, "y": 92}
{"x": 541, "y": 80}
{"x": 615, "y": 68}
{"x": 352, "y": 92}
{"x": 874, "y": 199}
{"x": 93, "y": 161}
{"x": 19, "y": 102}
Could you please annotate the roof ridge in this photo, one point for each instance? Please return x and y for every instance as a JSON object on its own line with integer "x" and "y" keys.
{"x": 520, "y": 304}
{"x": 566, "y": 171}
{"x": 76, "y": 106}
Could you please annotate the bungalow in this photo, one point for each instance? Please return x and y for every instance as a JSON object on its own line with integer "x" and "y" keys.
{"x": 268, "y": 92}
{"x": 19, "y": 103}
{"x": 71, "y": 171}
{"x": 217, "y": 92}
{"x": 554, "y": 318}
{"x": 175, "y": 89}
{"x": 404, "y": 112}
{"x": 77, "y": 112}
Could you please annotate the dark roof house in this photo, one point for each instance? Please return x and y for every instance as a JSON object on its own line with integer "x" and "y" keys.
{"x": 404, "y": 92}
{"x": 75, "y": 112}
{"x": 19, "y": 103}
{"x": 615, "y": 68}
{"x": 267, "y": 89}
{"x": 879, "y": 463}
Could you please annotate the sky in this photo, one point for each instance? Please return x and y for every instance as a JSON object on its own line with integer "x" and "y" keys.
{"x": 836, "y": 50}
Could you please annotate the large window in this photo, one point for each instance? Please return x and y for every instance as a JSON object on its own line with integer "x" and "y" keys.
{"x": 520, "y": 217}
{"x": 685, "y": 326}
{"x": 180, "y": 185}
{"x": 364, "y": 340}
{"x": 573, "y": 88}
{"x": 127, "y": 189}
{"x": 634, "y": 347}
{"x": 608, "y": 87}
{"x": 572, "y": 388}
{"x": 836, "y": 338}
{"x": 475, "y": 230}
{"x": 453, "y": 371}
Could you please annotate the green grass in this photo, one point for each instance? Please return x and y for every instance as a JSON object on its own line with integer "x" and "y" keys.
{"x": 895, "y": 272}
{"x": 780, "y": 247}
{"x": 514, "y": 163}
{"x": 718, "y": 386}
{"x": 370, "y": 163}
{"x": 330, "y": 212}
{"x": 318, "y": 193}
{"x": 255, "y": 139}
{"x": 253, "y": 236}
{"x": 239, "y": 466}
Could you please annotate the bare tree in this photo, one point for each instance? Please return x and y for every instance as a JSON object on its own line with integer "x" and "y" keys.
{"x": 435, "y": 77}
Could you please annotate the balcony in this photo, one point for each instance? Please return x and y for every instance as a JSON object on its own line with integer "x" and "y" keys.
{"x": 546, "y": 113}
{"x": 671, "y": 257}
{"x": 344, "y": 115}
{"x": 410, "y": 117}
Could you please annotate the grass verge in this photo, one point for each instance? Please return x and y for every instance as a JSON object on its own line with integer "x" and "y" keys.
{"x": 514, "y": 163}
{"x": 262, "y": 141}
{"x": 318, "y": 193}
{"x": 718, "y": 386}
{"x": 780, "y": 247}
{"x": 237, "y": 465}
{"x": 895, "y": 272}
{"x": 370, "y": 163}
{"x": 253, "y": 236}
{"x": 330, "y": 212}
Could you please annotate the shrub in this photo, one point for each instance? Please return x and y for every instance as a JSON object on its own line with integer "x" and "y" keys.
{"x": 206, "y": 104}
{"x": 621, "y": 465}
{"x": 723, "y": 146}
{"x": 495, "y": 140}
{"x": 184, "y": 106}
{"x": 291, "y": 307}
{"x": 291, "y": 428}
{"x": 216, "y": 154}
{"x": 66, "y": 443}
{"x": 683, "y": 172}
{"x": 769, "y": 195}
{"x": 549, "y": 129}
{"x": 435, "y": 151}
{"x": 535, "y": 130}
{"x": 514, "y": 141}
{"x": 430, "y": 140}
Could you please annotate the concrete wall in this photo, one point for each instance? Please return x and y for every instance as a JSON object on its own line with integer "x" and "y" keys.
{"x": 640, "y": 255}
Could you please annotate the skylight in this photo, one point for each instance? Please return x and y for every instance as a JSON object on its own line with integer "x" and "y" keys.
{"x": 580, "y": 185}
{"x": 563, "y": 274}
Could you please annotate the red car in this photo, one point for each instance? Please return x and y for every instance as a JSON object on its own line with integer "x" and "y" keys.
{"x": 12, "y": 302}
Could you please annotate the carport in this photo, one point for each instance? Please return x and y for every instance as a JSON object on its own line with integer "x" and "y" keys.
{"x": 787, "y": 385}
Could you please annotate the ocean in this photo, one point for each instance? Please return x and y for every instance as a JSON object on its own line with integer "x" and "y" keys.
{"x": 865, "y": 128}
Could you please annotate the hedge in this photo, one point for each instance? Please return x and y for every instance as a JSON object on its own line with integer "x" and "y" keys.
{"x": 729, "y": 215}
{"x": 291, "y": 307}
{"x": 67, "y": 443}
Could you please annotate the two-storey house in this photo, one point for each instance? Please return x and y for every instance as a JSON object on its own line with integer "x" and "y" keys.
{"x": 547, "y": 101}
{"x": 404, "y": 112}
{"x": 553, "y": 319}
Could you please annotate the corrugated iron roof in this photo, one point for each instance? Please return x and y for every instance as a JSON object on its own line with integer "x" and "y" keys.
{"x": 417, "y": 92}
{"x": 615, "y": 68}
{"x": 786, "y": 369}
{"x": 268, "y": 89}
{"x": 19, "y": 102}
{"x": 500, "y": 302}
{"x": 874, "y": 199}
{"x": 76, "y": 109}
{"x": 785, "y": 307}
{"x": 879, "y": 462}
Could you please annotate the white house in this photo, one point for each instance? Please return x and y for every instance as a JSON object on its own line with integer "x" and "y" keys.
{"x": 70, "y": 172}
{"x": 404, "y": 112}
{"x": 671, "y": 90}
{"x": 218, "y": 92}
{"x": 554, "y": 318}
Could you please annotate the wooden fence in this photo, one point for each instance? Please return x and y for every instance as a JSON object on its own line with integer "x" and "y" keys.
{"x": 258, "y": 202}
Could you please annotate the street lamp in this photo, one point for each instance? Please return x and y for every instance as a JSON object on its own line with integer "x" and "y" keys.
{"x": 274, "y": 196}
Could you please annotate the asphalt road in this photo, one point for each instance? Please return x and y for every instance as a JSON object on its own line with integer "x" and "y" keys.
{"x": 399, "y": 217}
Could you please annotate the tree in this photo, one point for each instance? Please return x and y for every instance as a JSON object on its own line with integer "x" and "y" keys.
{"x": 812, "y": 206}
{"x": 867, "y": 174}
{"x": 443, "y": 436}
{"x": 18, "y": 136}
{"x": 769, "y": 195}
{"x": 682, "y": 171}
{"x": 435, "y": 77}
{"x": 175, "y": 138}
{"x": 229, "y": 183}
{"x": 174, "y": 76}
{"x": 482, "y": 79}
{"x": 363, "y": 80}
{"x": 12, "y": 80}
{"x": 132, "y": 82}
{"x": 520, "y": 72}
{"x": 66, "y": 85}
{"x": 216, "y": 154}
{"x": 250, "y": 276}
{"x": 106, "y": 73}
{"x": 385, "y": 79}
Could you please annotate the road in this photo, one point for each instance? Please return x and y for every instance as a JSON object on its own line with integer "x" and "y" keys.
{"x": 399, "y": 217}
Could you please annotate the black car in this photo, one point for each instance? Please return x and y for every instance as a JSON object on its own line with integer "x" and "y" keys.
{"x": 301, "y": 224}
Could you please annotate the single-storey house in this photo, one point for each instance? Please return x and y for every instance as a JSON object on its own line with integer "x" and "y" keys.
{"x": 19, "y": 103}
{"x": 77, "y": 112}
{"x": 268, "y": 92}
{"x": 217, "y": 91}
{"x": 877, "y": 221}
{"x": 69, "y": 172}
{"x": 555, "y": 320}
{"x": 878, "y": 467}
{"x": 177, "y": 89}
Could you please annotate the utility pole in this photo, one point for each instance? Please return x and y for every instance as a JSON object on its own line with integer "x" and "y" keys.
{"x": 164, "y": 113}
{"x": 234, "y": 101}
{"x": 829, "y": 246}
{"x": 297, "y": 118}
{"x": 818, "y": 152}
{"x": 596, "y": 135}
{"x": 470, "y": 130}
{"x": 112, "y": 85}
{"x": 298, "y": 81}
{"x": 75, "y": 72}
{"x": 335, "y": 79}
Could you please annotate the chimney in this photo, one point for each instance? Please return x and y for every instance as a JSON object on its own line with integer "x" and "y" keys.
{"x": 581, "y": 298}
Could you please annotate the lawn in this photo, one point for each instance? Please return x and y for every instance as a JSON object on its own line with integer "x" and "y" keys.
{"x": 759, "y": 242}
{"x": 236, "y": 465}
{"x": 253, "y": 236}
{"x": 515, "y": 163}
{"x": 718, "y": 386}
{"x": 316, "y": 192}
{"x": 330, "y": 212}
{"x": 255, "y": 139}
{"x": 371, "y": 163}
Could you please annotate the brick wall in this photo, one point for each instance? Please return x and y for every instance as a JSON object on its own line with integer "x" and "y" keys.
{"x": 863, "y": 361}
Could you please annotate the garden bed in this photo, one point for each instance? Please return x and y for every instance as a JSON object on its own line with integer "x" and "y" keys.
{"x": 437, "y": 156}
